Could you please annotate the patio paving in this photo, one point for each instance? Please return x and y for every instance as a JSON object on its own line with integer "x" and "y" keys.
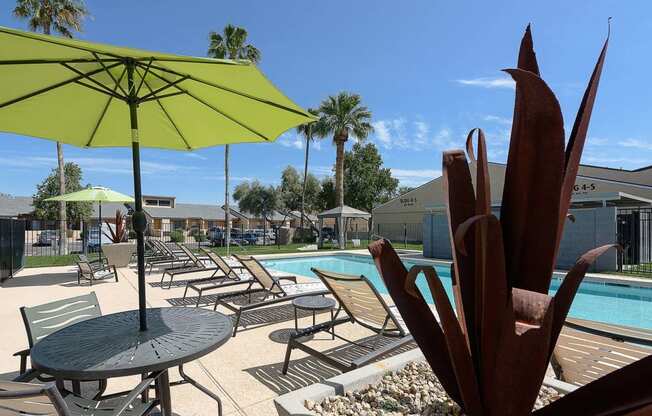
{"x": 245, "y": 372}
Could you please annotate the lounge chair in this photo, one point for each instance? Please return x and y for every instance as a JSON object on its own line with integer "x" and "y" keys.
{"x": 273, "y": 289}
{"x": 42, "y": 320}
{"x": 92, "y": 271}
{"x": 588, "y": 350}
{"x": 230, "y": 273}
{"x": 363, "y": 305}
{"x": 170, "y": 258}
{"x": 194, "y": 265}
{"x": 33, "y": 399}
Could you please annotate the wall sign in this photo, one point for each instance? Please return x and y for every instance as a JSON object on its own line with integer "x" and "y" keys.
{"x": 584, "y": 188}
{"x": 408, "y": 201}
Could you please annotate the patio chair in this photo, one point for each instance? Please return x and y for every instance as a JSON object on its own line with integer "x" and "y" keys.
{"x": 42, "y": 320}
{"x": 194, "y": 265}
{"x": 89, "y": 271}
{"x": 273, "y": 289}
{"x": 18, "y": 398}
{"x": 588, "y": 350}
{"x": 364, "y": 306}
{"x": 230, "y": 273}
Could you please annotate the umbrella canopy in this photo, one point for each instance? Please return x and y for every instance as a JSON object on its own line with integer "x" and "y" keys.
{"x": 93, "y": 194}
{"x": 94, "y": 95}
{"x": 79, "y": 91}
{"x": 97, "y": 194}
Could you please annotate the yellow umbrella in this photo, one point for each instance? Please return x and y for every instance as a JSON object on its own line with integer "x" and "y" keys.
{"x": 94, "y": 95}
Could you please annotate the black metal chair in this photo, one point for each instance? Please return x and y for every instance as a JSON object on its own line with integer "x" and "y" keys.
{"x": 42, "y": 320}
{"x": 94, "y": 271}
{"x": 18, "y": 398}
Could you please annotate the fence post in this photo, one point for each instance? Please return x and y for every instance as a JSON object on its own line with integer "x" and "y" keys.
{"x": 405, "y": 235}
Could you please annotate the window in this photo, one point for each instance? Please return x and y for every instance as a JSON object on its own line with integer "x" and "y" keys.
{"x": 151, "y": 202}
{"x": 164, "y": 203}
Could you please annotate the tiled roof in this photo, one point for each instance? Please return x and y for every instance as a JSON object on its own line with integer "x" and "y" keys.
{"x": 13, "y": 206}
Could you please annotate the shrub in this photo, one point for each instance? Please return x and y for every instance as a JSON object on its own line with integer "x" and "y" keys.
{"x": 176, "y": 236}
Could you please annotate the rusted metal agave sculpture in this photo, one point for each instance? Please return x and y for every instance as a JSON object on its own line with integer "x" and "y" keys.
{"x": 491, "y": 357}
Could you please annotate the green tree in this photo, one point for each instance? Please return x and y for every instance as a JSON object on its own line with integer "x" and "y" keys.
{"x": 290, "y": 189}
{"x": 343, "y": 116}
{"x": 76, "y": 211}
{"x": 298, "y": 193}
{"x": 326, "y": 196}
{"x": 366, "y": 182}
{"x": 230, "y": 44}
{"x": 404, "y": 190}
{"x": 257, "y": 199}
{"x": 310, "y": 132}
{"x": 64, "y": 17}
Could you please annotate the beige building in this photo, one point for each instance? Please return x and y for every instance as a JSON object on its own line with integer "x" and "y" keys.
{"x": 595, "y": 186}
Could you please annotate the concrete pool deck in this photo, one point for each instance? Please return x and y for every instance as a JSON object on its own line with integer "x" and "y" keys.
{"x": 245, "y": 372}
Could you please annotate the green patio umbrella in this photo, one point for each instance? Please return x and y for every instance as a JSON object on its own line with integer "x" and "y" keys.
{"x": 97, "y": 194}
{"x": 93, "y": 95}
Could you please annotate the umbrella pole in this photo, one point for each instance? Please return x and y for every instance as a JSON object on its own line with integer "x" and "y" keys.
{"x": 139, "y": 220}
{"x": 99, "y": 222}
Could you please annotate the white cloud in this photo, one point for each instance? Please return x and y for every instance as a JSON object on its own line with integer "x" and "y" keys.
{"x": 320, "y": 170}
{"x": 194, "y": 155}
{"x": 295, "y": 142}
{"x": 637, "y": 144}
{"x": 391, "y": 133}
{"x": 488, "y": 82}
{"x": 120, "y": 166}
{"x": 497, "y": 119}
{"x": 414, "y": 177}
{"x": 613, "y": 160}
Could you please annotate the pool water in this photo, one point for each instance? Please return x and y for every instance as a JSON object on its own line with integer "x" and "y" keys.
{"x": 612, "y": 303}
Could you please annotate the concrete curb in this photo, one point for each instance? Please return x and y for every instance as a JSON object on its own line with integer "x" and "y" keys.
{"x": 292, "y": 404}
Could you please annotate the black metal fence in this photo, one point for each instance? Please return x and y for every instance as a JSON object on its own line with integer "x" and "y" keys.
{"x": 634, "y": 227}
{"x": 43, "y": 238}
{"x": 195, "y": 236}
{"x": 12, "y": 247}
{"x": 406, "y": 233}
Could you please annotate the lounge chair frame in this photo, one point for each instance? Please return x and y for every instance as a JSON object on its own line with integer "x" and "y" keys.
{"x": 214, "y": 282}
{"x": 197, "y": 265}
{"x": 390, "y": 327}
{"x": 270, "y": 287}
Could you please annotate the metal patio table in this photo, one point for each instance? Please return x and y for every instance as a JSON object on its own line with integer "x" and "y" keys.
{"x": 113, "y": 346}
{"x": 315, "y": 303}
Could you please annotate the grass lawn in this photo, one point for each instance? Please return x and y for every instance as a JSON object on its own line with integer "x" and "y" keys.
{"x": 51, "y": 261}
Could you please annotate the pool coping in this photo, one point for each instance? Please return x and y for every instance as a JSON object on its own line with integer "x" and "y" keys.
{"x": 293, "y": 403}
{"x": 600, "y": 278}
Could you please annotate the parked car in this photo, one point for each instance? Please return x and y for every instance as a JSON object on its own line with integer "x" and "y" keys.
{"x": 327, "y": 233}
{"x": 251, "y": 238}
{"x": 48, "y": 237}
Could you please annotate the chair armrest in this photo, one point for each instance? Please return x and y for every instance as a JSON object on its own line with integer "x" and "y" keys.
{"x": 22, "y": 353}
{"x": 293, "y": 279}
{"x": 133, "y": 394}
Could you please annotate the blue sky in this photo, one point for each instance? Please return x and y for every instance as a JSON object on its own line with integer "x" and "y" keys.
{"x": 428, "y": 70}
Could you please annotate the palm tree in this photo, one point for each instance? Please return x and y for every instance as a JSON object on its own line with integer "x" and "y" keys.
{"x": 231, "y": 44}
{"x": 310, "y": 131}
{"x": 343, "y": 115}
{"x": 64, "y": 17}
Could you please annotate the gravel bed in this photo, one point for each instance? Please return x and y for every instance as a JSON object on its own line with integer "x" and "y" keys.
{"x": 414, "y": 390}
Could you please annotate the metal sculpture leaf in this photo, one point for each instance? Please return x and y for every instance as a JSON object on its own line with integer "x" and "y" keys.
{"x": 491, "y": 357}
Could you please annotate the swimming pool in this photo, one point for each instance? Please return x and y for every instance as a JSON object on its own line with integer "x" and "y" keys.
{"x": 606, "y": 302}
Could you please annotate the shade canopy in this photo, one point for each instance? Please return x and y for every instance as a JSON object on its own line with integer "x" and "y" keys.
{"x": 76, "y": 92}
{"x": 94, "y": 194}
{"x": 94, "y": 95}
{"x": 344, "y": 211}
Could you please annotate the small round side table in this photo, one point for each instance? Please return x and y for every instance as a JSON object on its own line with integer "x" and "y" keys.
{"x": 315, "y": 304}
